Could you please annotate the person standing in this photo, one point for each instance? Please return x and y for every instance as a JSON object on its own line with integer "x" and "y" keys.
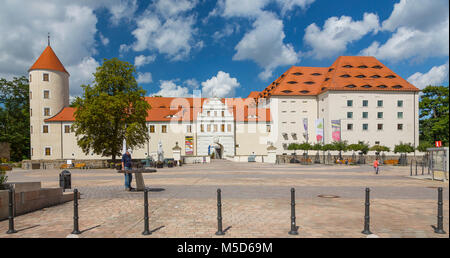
{"x": 126, "y": 165}
{"x": 376, "y": 166}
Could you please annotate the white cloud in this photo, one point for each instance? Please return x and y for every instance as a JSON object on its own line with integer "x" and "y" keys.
{"x": 227, "y": 31}
{"x": 103, "y": 39}
{"x": 289, "y": 5}
{"x": 264, "y": 45}
{"x": 143, "y": 60}
{"x": 81, "y": 73}
{"x": 239, "y": 8}
{"x": 192, "y": 83}
{"x": 435, "y": 77}
{"x": 170, "y": 89}
{"x": 122, "y": 10}
{"x": 144, "y": 77}
{"x": 221, "y": 85}
{"x": 420, "y": 30}
{"x": 337, "y": 33}
{"x": 171, "y": 8}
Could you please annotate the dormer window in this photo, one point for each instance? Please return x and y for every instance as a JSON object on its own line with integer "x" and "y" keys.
{"x": 390, "y": 76}
{"x": 345, "y": 76}
{"x": 304, "y": 91}
{"x": 327, "y": 79}
{"x": 331, "y": 69}
{"x": 377, "y": 67}
{"x": 375, "y": 76}
{"x": 171, "y": 116}
{"x": 363, "y": 66}
{"x": 298, "y": 74}
{"x": 366, "y": 86}
{"x": 292, "y": 82}
{"x": 316, "y": 74}
{"x": 397, "y": 87}
{"x": 309, "y": 82}
{"x": 287, "y": 91}
{"x": 351, "y": 86}
{"x": 361, "y": 76}
{"x": 382, "y": 86}
{"x": 324, "y": 88}
{"x": 348, "y": 66}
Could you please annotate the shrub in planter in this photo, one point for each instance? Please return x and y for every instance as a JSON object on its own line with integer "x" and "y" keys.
{"x": 170, "y": 164}
{"x": 3, "y": 179}
{"x": 5, "y": 167}
{"x": 159, "y": 164}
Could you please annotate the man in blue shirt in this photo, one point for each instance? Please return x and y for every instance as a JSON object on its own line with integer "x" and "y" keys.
{"x": 126, "y": 165}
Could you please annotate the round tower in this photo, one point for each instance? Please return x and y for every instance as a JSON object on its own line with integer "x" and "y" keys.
{"x": 49, "y": 94}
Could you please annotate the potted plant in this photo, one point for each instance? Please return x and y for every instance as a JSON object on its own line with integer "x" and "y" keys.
{"x": 3, "y": 179}
{"x": 159, "y": 164}
{"x": 170, "y": 164}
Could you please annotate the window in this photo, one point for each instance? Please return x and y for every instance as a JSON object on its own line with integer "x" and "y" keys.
{"x": 400, "y": 127}
{"x": 228, "y": 128}
{"x": 31, "y": 129}
{"x": 349, "y": 127}
{"x": 32, "y": 151}
{"x": 208, "y": 113}
{"x": 222, "y": 128}
{"x": 31, "y": 95}
{"x": 377, "y": 143}
{"x": 215, "y": 113}
{"x": 223, "y": 113}
{"x": 31, "y": 112}
{"x": 349, "y": 103}
{"x": 349, "y": 115}
{"x": 365, "y": 103}
{"x": 46, "y": 94}
{"x": 365, "y": 115}
{"x": 152, "y": 129}
{"x": 30, "y": 77}
{"x": 164, "y": 129}
{"x": 380, "y": 127}
{"x": 399, "y": 115}
{"x": 365, "y": 127}
{"x": 45, "y": 129}
{"x": 48, "y": 151}
{"x": 380, "y": 115}
{"x": 202, "y": 128}
{"x": 45, "y": 77}
{"x": 189, "y": 128}
{"x": 208, "y": 128}
{"x": 379, "y": 103}
{"x": 67, "y": 129}
{"x": 46, "y": 111}
{"x": 268, "y": 128}
{"x": 400, "y": 103}
{"x": 215, "y": 128}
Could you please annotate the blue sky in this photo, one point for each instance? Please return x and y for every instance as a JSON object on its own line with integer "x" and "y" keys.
{"x": 227, "y": 47}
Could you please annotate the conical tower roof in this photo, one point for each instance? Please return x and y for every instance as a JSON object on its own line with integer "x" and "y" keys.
{"x": 48, "y": 61}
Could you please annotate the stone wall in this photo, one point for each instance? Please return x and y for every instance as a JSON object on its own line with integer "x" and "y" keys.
{"x": 5, "y": 150}
{"x": 369, "y": 159}
{"x": 56, "y": 164}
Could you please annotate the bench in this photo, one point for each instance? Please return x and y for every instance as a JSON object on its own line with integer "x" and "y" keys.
{"x": 80, "y": 165}
{"x": 140, "y": 184}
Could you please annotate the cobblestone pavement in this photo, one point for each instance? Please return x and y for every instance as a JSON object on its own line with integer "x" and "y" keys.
{"x": 256, "y": 202}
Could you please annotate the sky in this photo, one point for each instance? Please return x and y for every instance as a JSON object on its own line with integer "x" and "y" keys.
{"x": 225, "y": 48}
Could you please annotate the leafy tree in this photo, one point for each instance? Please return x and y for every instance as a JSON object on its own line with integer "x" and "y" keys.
{"x": 424, "y": 145}
{"x": 340, "y": 146}
{"x": 305, "y": 147}
{"x": 15, "y": 116}
{"x": 403, "y": 148}
{"x": 294, "y": 146}
{"x": 434, "y": 114}
{"x": 379, "y": 148}
{"x": 111, "y": 110}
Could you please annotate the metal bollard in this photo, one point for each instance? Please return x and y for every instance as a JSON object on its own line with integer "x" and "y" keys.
{"x": 440, "y": 218}
{"x": 411, "y": 169}
{"x": 416, "y": 167}
{"x": 146, "y": 229}
{"x": 219, "y": 213}
{"x": 76, "y": 230}
{"x": 423, "y": 168}
{"x": 294, "y": 230}
{"x": 366, "y": 230}
{"x": 11, "y": 229}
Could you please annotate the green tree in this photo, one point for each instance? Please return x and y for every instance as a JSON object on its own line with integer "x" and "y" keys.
{"x": 403, "y": 148}
{"x": 340, "y": 146}
{"x": 379, "y": 148}
{"x": 434, "y": 115}
{"x": 111, "y": 110}
{"x": 423, "y": 146}
{"x": 305, "y": 147}
{"x": 15, "y": 116}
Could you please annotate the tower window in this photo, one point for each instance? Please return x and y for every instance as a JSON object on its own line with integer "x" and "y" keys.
{"x": 45, "y": 129}
{"x": 30, "y": 77}
{"x": 46, "y": 94}
{"x": 31, "y": 95}
{"x": 67, "y": 129}
{"x": 31, "y": 129}
{"x": 45, "y": 77}
{"x": 31, "y": 112}
{"x": 48, "y": 151}
{"x": 46, "y": 111}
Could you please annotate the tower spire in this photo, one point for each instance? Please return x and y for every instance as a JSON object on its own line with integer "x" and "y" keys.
{"x": 48, "y": 39}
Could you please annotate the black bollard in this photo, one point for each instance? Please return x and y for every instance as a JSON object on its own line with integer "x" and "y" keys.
{"x": 294, "y": 230}
{"x": 11, "y": 229}
{"x": 366, "y": 230}
{"x": 411, "y": 169}
{"x": 416, "y": 168}
{"x": 219, "y": 214}
{"x": 76, "y": 230}
{"x": 423, "y": 168}
{"x": 440, "y": 218}
{"x": 146, "y": 230}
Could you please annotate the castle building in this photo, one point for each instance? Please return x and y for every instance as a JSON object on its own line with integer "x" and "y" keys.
{"x": 356, "y": 99}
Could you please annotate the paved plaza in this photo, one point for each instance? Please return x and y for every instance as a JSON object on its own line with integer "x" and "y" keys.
{"x": 256, "y": 202}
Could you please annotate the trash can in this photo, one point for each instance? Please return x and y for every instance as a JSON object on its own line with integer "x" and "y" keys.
{"x": 65, "y": 180}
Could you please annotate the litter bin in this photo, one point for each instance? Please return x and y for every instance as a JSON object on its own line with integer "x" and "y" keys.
{"x": 65, "y": 180}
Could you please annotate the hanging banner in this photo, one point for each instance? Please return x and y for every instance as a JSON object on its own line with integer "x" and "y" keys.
{"x": 189, "y": 145}
{"x": 305, "y": 126}
{"x": 319, "y": 130}
{"x": 336, "y": 130}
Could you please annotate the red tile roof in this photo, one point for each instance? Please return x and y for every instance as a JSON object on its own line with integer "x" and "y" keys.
{"x": 48, "y": 61}
{"x": 347, "y": 73}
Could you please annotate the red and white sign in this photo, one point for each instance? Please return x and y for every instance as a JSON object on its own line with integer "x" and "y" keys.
{"x": 438, "y": 144}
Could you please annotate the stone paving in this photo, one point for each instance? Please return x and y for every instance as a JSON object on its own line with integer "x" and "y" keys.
{"x": 256, "y": 202}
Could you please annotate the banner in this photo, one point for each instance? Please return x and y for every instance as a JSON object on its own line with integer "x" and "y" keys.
{"x": 319, "y": 130}
{"x": 305, "y": 126}
{"x": 336, "y": 130}
{"x": 189, "y": 145}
